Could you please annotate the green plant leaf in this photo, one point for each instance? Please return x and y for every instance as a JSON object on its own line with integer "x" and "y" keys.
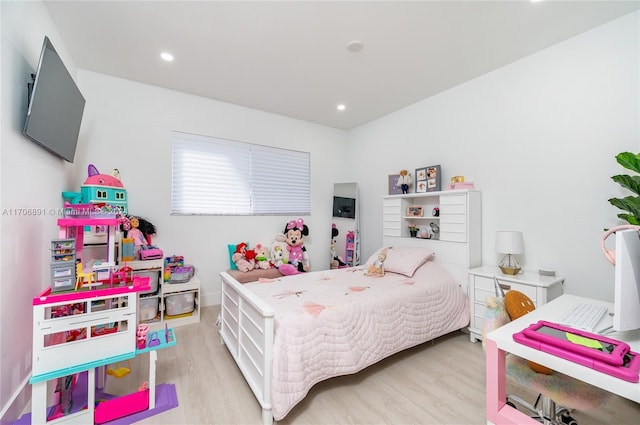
{"x": 629, "y": 203}
{"x": 629, "y": 219}
{"x": 629, "y": 182}
{"x": 629, "y": 161}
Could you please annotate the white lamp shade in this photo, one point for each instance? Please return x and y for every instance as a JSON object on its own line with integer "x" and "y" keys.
{"x": 509, "y": 243}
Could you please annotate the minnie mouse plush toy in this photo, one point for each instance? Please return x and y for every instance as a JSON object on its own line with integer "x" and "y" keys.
{"x": 294, "y": 233}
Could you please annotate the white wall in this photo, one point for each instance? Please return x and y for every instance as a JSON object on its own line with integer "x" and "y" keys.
{"x": 31, "y": 178}
{"x": 538, "y": 138}
{"x": 128, "y": 126}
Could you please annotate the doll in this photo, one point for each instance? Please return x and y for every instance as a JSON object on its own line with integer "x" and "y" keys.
{"x": 244, "y": 259}
{"x": 139, "y": 240}
{"x": 404, "y": 181}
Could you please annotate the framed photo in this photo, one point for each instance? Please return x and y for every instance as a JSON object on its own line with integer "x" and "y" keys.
{"x": 428, "y": 179}
{"x": 421, "y": 180}
{"x": 394, "y": 189}
{"x": 414, "y": 211}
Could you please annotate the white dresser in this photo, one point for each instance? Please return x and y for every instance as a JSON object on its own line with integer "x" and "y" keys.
{"x": 541, "y": 289}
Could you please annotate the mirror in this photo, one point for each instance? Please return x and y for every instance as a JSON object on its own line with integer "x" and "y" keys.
{"x": 345, "y": 232}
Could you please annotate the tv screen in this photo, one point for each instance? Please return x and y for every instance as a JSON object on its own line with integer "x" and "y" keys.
{"x": 55, "y": 106}
{"x": 344, "y": 207}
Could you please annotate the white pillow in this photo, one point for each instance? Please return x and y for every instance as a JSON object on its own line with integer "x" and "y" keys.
{"x": 402, "y": 260}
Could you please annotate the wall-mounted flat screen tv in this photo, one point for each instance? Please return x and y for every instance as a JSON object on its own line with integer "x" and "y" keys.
{"x": 55, "y": 106}
{"x": 344, "y": 207}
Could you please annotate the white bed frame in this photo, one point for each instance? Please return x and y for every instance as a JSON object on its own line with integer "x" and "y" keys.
{"x": 247, "y": 329}
{"x": 247, "y": 322}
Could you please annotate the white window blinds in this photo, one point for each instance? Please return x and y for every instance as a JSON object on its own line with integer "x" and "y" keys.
{"x": 223, "y": 177}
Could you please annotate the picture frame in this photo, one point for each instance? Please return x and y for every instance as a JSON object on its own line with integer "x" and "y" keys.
{"x": 421, "y": 180}
{"x": 428, "y": 179}
{"x": 415, "y": 211}
{"x": 394, "y": 189}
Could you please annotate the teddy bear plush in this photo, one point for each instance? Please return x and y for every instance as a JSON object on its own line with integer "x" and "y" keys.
{"x": 262, "y": 257}
{"x": 404, "y": 181}
{"x": 243, "y": 258}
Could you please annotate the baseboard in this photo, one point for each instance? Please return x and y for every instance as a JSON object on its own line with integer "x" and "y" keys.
{"x": 211, "y": 298}
{"x": 18, "y": 405}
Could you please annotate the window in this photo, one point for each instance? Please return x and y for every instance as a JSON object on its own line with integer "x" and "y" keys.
{"x": 101, "y": 194}
{"x": 224, "y": 177}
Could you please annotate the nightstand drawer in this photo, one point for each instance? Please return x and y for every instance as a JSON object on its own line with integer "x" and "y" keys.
{"x": 484, "y": 285}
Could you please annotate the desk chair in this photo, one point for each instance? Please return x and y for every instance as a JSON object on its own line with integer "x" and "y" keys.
{"x": 81, "y": 276}
{"x": 558, "y": 394}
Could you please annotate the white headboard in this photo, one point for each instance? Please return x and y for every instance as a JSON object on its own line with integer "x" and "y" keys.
{"x": 459, "y": 244}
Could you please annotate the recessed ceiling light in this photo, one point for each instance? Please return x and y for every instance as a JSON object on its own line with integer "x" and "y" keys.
{"x": 355, "y": 46}
{"x": 166, "y": 56}
{"x": 341, "y": 107}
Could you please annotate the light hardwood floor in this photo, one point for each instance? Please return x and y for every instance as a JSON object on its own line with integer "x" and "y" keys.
{"x": 439, "y": 382}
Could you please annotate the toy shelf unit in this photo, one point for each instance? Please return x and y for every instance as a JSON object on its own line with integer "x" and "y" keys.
{"x": 75, "y": 332}
{"x": 351, "y": 249}
{"x": 149, "y": 301}
{"x": 63, "y": 264}
{"x": 165, "y": 302}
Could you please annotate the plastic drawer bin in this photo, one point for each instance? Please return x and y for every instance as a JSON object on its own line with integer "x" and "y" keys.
{"x": 181, "y": 303}
{"x": 148, "y": 308}
{"x": 154, "y": 277}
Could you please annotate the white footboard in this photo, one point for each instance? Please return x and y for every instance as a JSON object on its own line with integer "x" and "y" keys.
{"x": 247, "y": 330}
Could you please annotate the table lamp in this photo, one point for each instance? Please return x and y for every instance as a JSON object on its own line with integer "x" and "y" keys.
{"x": 509, "y": 244}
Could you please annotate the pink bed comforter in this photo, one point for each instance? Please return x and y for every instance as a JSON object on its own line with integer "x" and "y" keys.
{"x": 337, "y": 322}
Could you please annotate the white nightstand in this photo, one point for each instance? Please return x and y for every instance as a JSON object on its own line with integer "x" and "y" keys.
{"x": 541, "y": 289}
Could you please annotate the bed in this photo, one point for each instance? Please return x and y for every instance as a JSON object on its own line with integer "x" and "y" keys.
{"x": 287, "y": 334}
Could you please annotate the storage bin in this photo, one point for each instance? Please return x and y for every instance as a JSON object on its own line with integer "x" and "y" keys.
{"x": 154, "y": 279}
{"x": 180, "y": 303}
{"x": 147, "y": 308}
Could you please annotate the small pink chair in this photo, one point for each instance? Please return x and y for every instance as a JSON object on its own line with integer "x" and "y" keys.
{"x": 125, "y": 274}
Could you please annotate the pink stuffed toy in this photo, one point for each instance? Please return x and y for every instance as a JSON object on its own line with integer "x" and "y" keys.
{"x": 262, "y": 257}
{"x": 294, "y": 233}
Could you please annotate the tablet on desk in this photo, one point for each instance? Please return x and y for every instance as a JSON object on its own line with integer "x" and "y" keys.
{"x": 569, "y": 344}
{"x": 582, "y": 342}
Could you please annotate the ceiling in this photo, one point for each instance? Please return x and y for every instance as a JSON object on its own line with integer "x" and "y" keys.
{"x": 291, "y": 58}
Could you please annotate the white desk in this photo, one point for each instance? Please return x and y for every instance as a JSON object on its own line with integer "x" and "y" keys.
{"x": 500, "y": 342}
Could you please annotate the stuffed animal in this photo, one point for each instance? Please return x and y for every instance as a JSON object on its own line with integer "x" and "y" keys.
{"x": 294, "y": 233}
{"x": 376, "y": 269}
{"x": 404, "y": 181}
{"x": 279, "y": 253}
{"x": 262, "y": 257}
{"x": 243, "y": 258}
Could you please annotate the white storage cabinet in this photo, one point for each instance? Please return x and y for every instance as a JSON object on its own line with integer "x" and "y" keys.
{"x": 541, "y": 289}
{"x": 459, "y": 221}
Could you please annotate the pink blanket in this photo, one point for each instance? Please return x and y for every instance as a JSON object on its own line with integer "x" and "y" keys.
{"x": 337, "y": 322}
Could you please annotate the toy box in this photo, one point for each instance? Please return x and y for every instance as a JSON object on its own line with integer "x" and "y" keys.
{"x": 181, "y": 274}
{"x": 154, "y": 279}
{"x": 148, "y": 309}
{"x": 170, "y": 263}
{"x": 150, "y": 254}
{"x": 180, "y": 303}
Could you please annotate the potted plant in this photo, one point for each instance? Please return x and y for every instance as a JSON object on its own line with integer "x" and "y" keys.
{"x": 413, "y": 230}
{"x": 631, "y": 203}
